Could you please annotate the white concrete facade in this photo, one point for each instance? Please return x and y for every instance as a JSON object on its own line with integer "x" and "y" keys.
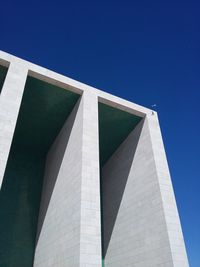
{"x": 144, "y": 229}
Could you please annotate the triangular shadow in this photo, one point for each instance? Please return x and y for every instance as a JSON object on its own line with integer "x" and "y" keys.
{"x": 114, "y": 177}
{"x": 52, "y": 167}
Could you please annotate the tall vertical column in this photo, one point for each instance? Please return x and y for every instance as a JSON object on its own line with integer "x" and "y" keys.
{"x": 10, "y": 100}
{"x": 178, "y": 251}
{"x": 90, "y": 235}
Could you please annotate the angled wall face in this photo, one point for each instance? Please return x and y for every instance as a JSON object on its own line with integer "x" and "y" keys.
{"x": 69, "y": 221}
{"x": 136, "y": 223}
{"x": 58, "y": 237}
{"x": 43, "y": 111}
{"x": 115, "y": 126}
{"x": 137, "y": 229}
{"x": 136, "y": 232}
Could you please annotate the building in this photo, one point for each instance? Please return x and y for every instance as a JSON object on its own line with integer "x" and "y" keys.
{"x": 85, "y": 180}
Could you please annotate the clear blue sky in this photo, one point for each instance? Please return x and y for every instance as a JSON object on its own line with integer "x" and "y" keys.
{"x": 145, "y": 51}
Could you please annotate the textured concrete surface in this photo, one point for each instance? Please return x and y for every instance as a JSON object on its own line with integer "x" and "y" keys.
{"x": 136, "y": 230}
{"x": 69, "y": 230}
{"x": 142, "y": 226}
{"x": 114, "y": 176}
{"x": 176, "y": 240}
{"x": 59, "y": 224}
{"x": 90, "y": 239}
{"x": 10, "y": 100}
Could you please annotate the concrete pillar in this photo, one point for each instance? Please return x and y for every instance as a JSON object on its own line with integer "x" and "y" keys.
{"x": 172, "y": 220}
{"x": 10, "y": 101}
{"x": 90, "y": 239}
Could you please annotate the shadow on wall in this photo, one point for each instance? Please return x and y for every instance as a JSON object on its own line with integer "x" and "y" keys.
{"x": 114, "y": 176}
{"x": 19, "y": 204}
{"x": 43, "y": 112}
{"x": 52, "y": 166}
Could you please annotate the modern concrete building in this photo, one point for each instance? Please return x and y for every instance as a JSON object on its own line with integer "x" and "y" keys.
{"x": 85, "y": 180}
